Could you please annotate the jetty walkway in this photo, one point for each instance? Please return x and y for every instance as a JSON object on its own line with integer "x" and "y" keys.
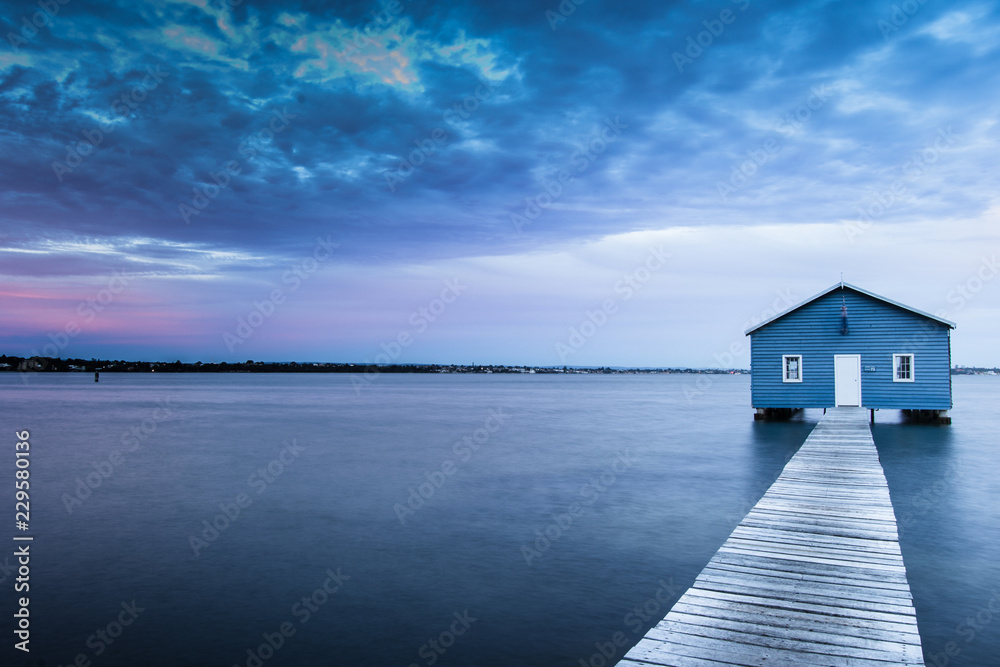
{"x": 813, "y": 574}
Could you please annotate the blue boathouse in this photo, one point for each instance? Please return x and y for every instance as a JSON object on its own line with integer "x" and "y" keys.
{"x": 847, "y": 346}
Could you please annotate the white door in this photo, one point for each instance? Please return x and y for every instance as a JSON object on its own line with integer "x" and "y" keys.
{"x": 847, "y": 379}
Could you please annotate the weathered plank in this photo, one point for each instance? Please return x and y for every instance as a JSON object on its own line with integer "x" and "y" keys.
{"x": 813, "y": 574}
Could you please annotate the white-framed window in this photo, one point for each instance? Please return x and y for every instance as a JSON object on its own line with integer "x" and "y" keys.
{"x": 791, "y": 367}
{"x": 902, "y": 368}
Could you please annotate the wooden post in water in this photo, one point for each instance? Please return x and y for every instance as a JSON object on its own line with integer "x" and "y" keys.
{"x": 96, "y": 376}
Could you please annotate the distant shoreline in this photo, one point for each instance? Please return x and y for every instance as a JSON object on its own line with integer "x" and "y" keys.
{"x": 55, "y": 365}
{"x": 50, "y": 365}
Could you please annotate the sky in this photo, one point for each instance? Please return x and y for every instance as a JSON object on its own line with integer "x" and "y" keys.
{"x": 547, "y": 183}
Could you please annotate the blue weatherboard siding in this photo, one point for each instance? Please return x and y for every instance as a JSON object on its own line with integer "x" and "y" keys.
{"x": 877, "y": 331}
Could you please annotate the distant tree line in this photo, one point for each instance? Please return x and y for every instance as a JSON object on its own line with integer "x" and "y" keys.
{"x": 56, "y": 365}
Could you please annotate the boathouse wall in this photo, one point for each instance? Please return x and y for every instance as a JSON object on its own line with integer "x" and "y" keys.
{"x": 876, "y": 329}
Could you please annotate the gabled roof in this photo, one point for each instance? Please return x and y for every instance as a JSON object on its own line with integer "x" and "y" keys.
{"x": 843, "y": 285}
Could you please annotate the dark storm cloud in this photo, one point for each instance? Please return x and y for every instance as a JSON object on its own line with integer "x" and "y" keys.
{"x": 189, "y": 91}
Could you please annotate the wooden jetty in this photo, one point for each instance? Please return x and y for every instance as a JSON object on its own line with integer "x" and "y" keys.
{"x": 813, "y": 574}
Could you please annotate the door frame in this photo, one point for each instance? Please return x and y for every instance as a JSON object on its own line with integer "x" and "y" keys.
{"x": 857, "y": 358}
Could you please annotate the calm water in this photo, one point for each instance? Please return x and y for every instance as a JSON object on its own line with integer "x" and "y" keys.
{"x": 635, "y": 486}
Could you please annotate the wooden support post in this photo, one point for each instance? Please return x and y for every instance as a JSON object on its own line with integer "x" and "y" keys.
{"x": 873, "y": 415}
